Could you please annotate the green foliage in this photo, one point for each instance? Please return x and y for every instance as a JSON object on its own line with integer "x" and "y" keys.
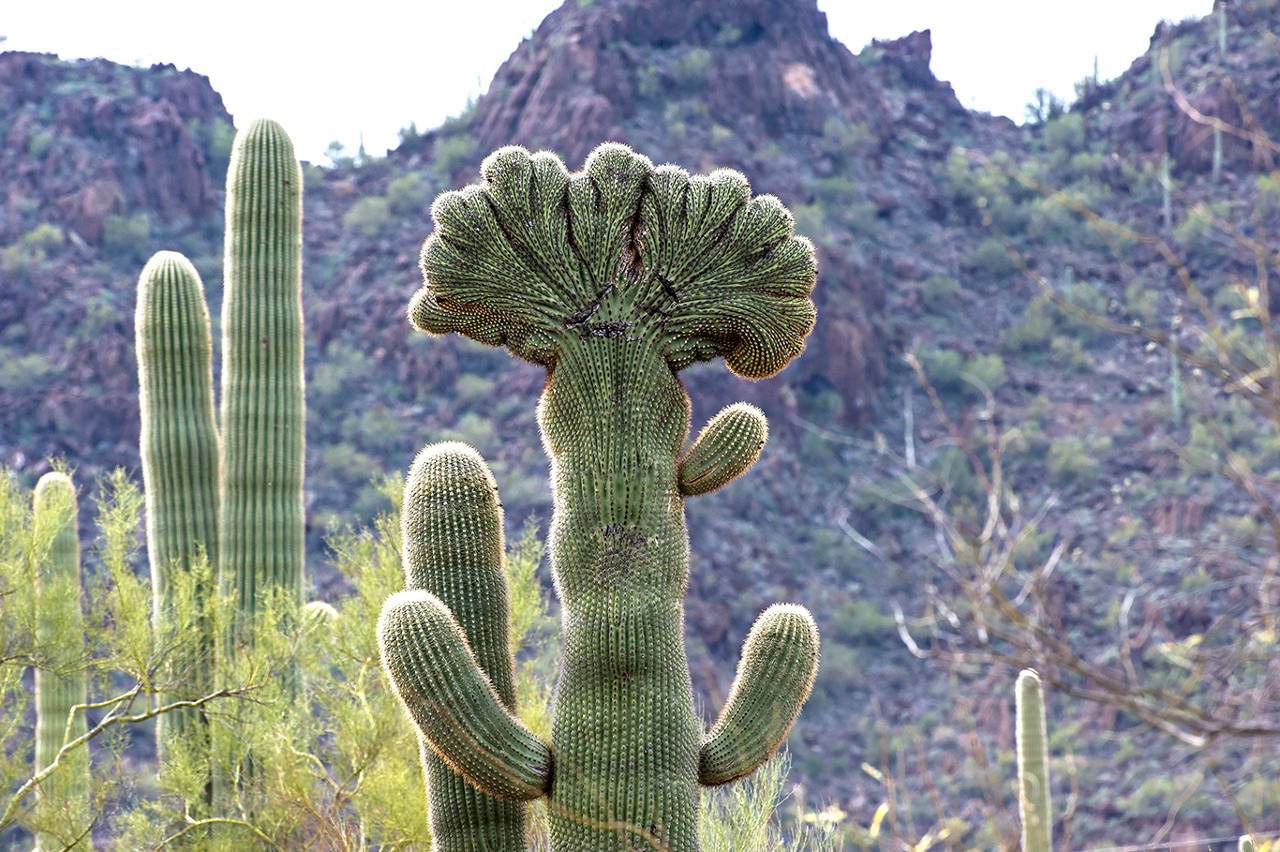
{"x": 1078, "y": 460}
{"x": 454, "y": 151}
{"x": 939, "y": 294}
{"x": 126, "y": 237}
{"x": 369, "y": 217}
{"x": 410, "y": 194}
{"x": 692, "y": 67}
{"x": 1065, "y": 133}
{"x": 991, "y": 261}
{"x": 31, "y": 249}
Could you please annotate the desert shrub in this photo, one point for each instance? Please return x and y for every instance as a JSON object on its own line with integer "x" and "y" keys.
{"x": 127, "y": 236}
{"x": 990, "y": 261}
{"x": 1074, "y": 460}
{"x": 369, "y": 216}
{"x": 939, "y": 293}
{"x": 454, "y": 151}
{"x": 1065, "y": 133}
{"x": 1033, "y": 330}
{"x": 411, "y": 193}
{"x": 692, "y": 67}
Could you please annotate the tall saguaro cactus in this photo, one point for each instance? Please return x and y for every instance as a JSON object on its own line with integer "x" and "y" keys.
{"x": 179, "y": 443}
{"x": 613, "y": 279}
{"x": 236, "y": 497}
{"x": 1033, "y": 765}
{"x": 262, "y": 527}
{"x": 62, "y": 686}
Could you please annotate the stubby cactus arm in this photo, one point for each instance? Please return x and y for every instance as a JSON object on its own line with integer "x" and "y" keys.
{"x": 775, "y": 674}
{"x": 452, "y": 702}
{"x": 726, "y": 447}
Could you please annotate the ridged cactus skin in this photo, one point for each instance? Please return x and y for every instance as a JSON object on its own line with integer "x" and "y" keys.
{"x": 262, "y": 527}
{"x": 461, "y": 671}
{"x": 179, "y": 444}
{"x": 58, "y": 591}
{"x": 614, "y": 279}
{"x": 1033, "y": 765}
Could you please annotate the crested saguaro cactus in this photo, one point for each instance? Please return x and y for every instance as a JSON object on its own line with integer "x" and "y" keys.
{"x": 1033, "y": 765}
{"x": 613, "y": 279}
{"x": 62, "y": 686}
{"x": 179, "y": 444}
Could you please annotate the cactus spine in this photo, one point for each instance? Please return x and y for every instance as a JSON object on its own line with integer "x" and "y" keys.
{"x": 614, "y": 279}
{"x": 261, "y": 527}
{"x": 179, "y": 443}
{"x": 1033, "y": 765}
{"x": 61, "y": 686}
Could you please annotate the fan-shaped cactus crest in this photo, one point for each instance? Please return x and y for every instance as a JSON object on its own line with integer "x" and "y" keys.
{"x": 614, "y": 279}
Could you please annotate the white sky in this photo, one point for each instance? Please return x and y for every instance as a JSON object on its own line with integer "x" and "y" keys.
{"x": 328, "y": 72}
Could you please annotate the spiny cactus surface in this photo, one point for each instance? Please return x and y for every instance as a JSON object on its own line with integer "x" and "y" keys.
{"x": 61, "y": 686}
{"x": 1033, "y": 765}
{"x": 614, "y": 279}
{"x": 179, "y": 444}
{"x": 261, "y": 532}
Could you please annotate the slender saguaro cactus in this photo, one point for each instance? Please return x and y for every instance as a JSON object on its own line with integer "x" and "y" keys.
{"x": 1033, "y": 765}
{"x": 179, "y": 443}
{"x": 261, "y": 527}
{"x": 60, "y": 689}
{"x": 613, "y": 279}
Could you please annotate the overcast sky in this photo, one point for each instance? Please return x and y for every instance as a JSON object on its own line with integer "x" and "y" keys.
{"x": 376, "y": 65}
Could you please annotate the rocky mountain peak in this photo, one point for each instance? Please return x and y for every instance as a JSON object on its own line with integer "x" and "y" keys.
{"x": 761, "y": 68}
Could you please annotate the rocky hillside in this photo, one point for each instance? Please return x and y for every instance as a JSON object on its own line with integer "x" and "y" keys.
{"x": 933, "y": 225}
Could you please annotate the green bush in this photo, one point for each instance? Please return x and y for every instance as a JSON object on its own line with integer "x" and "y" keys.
{"x": 1033, "y": 330}
{"x": 692, "y": 67}
{"x": 1065, "y": 133}
{"x": 411, "y": 193}
{"x": 369, "y": 216}
{"x": 31, "y": 249}
{"x": 1075, "y": 460}
{"x": 990, "y": 261}
{"x": 939, "y": 294}
{"x": 127, "y": 236}
{"x": 454, "y": 151}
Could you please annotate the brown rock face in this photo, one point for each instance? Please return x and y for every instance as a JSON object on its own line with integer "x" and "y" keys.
{"x": 586, "y": 74}
{"x": 92, "y": 139}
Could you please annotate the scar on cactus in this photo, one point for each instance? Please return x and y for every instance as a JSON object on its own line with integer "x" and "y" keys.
{"x": 614, "y": 279}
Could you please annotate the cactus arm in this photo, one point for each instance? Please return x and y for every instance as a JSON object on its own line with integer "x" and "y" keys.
{"x": 775, "y": 674}
{"x": 1033, "y": 765}
{"x": 453, "y": 704}
{"x": 61, "y": 686}
{"x": 179, "y": 449}
{"x": 451, "y": 529}
{"x": 262, "y": 522}
{"x": 726, "y": 447}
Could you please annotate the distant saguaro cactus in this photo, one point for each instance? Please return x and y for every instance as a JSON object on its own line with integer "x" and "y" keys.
{"x": 235, "y": 497}
{"x": 613, "y": 279}
{"x": 1033, "y": 765}
{"x": 61, "y": 686}
{"x": 179, "y": 444}
{"x": 262, "y": 522}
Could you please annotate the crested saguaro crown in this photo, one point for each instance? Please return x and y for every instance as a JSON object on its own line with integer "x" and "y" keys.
{"x": 613, "y": 279}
